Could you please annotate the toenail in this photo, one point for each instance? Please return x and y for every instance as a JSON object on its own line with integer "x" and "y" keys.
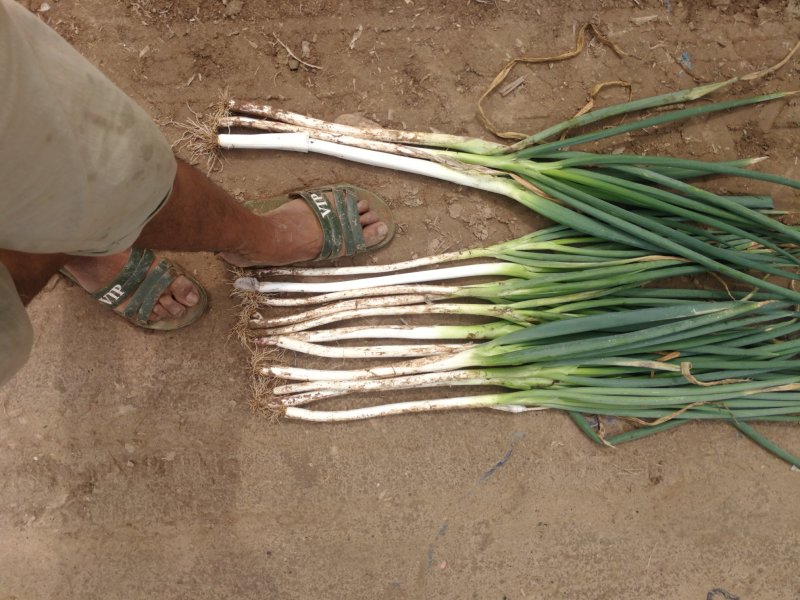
{"x": 192, "y": 298}
{"x": 382, "y": 229}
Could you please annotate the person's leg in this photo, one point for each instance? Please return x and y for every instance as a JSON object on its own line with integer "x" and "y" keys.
{"x": 93, "y": 167}
{"x": 199, "y": 216}
{"x": 31, "y": 272}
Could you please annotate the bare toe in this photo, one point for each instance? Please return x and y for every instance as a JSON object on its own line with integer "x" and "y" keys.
{"x": 159, "y": 312}
{"x": 184, "y": 291}
{"x": 368, "y": 218}
{"x": 173, "y": 307}
{"x": 375, "y": 233}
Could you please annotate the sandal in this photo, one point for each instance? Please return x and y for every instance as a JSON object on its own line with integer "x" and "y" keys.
{"x": 142, "y": 286}
{"x": 341, "y": 230}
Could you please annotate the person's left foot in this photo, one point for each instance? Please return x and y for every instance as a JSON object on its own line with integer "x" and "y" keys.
{"x": 94, "y": 272}
{"x": 292, "y": 234}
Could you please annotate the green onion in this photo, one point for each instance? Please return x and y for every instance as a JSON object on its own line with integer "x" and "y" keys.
{"x": 569, "y": 326}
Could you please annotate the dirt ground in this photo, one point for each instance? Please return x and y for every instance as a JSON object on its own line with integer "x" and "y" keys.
{"x": 132, "y": 466}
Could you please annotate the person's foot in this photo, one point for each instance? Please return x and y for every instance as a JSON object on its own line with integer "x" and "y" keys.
{"x": 292, "y": 234}
{"x": 94, "y": 272}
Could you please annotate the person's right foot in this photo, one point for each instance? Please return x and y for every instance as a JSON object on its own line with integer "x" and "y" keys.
{"x": 94, "y": 272}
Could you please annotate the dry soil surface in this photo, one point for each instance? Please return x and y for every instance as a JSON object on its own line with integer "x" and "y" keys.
{"x": 132, "y": 466}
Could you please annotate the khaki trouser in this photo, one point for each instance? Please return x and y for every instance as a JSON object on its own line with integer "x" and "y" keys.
{"x": 82, "y": 167}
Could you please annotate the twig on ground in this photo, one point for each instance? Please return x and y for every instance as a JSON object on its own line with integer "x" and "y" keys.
{"x": 294, "y": 56}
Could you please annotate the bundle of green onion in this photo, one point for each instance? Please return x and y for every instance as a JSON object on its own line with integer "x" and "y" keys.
{"x": 570, "y": 326}
{"x": 621, "y": 198}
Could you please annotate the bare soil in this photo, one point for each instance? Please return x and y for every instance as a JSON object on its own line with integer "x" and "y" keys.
{"x": 132, "y": 466}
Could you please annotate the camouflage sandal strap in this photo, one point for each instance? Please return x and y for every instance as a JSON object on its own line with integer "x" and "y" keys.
{"x": 341, "y": 228}
{"x": 150, "y": 290}
{"x": 139, "y": 285}
{"x": 127, "y": 280}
